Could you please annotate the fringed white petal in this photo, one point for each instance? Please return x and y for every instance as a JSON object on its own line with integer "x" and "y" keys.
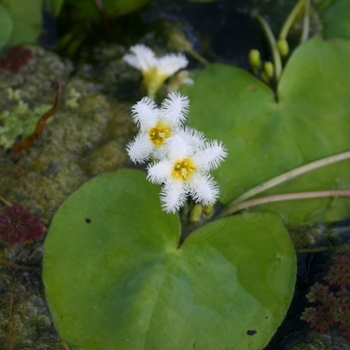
{"x": 159, "y": 153}
{"x": 177, "y": 147}
{"x": 173, "y": 196}
{"x": 174, "y": 109}
{"x": 203, "y": 189}
{"x": 184, "y": 78}
{"x": 145, "y": 56}
{"x": 171, "y": 63}
{"x": 132, "y": 60}
{"x": 187, "y": 81}
{"x": 184, "y": 143}
{"x": 210, "y": 156}
{"x": 145, "y": 113}
{"x": 140, "y": 149}
{"x": 194, "y": 138}
{"x": 159, "y": 172}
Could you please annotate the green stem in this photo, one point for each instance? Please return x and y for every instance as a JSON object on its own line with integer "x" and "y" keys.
{"x": 289, "y": 176}
{"x": 306, "y": 22}
{"x": 2, "y": 199}
{"x": 272, "y": 41}
{"x": 197, "y": 56}
{"x": 285, "y": 197}
{"x": 290, "y": 19}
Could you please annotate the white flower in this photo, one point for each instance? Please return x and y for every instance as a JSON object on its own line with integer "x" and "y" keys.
{"x": 185, "y": 170}
{"x": 180, "y": 78}
{"x": 156, "y": 125}
{"x": 154, "y": 70}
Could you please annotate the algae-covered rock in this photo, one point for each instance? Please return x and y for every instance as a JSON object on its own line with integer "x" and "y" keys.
{"x": 72, "y": 147}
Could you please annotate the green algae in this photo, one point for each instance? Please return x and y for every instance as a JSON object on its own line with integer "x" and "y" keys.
{"x": 72, "y": 147}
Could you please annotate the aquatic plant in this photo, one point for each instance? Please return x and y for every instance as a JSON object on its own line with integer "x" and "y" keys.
{"x": 228, "y": 280}
{"x": 185, "y": 171}
{"x": 332, "y": 306}
{"x": 18, "y": 119}
{"x": 156, "y": 126}
{"x": 22, "y": 122}
{"x": 155, "y": 70}
{"x": 181, "y": 157}
{"x": 20, "y": 23}
{"x": 17, "y": 224}
{"x": 15, "y": 58}
{"x": 73, "y": 98}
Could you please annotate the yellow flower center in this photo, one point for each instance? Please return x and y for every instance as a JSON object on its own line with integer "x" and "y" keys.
{"x": 159, "y": 133}
{"x": 183, "y": 169}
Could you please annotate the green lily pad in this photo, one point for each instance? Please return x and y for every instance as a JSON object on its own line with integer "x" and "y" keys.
{"x": 86, "y": 9}
{"x": 5, "y": 26}
{"x": 114, "y": 275}
{"x": 54, "y": 6}
{"x": 27, "y": 19}
{"x": 335, "y": 18}
{"x": 265, "y": 138}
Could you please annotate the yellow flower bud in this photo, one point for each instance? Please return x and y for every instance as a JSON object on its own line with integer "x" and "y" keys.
{"x": 283, "y": 47}
{"x": 196, "y": 213}
{"x": 269, "y": 69}
{"x": 209, "y": 210}
{"x": 254, "y": 59}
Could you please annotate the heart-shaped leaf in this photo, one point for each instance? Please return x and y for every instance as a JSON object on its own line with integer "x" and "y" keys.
{"x": 335, "y": 19}
{"x": 5, "y": 26}
{"x": 27, "y": 19}
{"x": 85, "y": 9}
{"x": 115, "y": 277}
{"x": 265, "y": 138}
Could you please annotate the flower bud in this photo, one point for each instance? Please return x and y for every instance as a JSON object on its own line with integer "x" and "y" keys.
{"x": 283, "y": 47}
{"x": 209, "y": 210}
{"x": 269, "y": 69}
{"x": 196, "y": 213}
{"x": 254, "y": 59}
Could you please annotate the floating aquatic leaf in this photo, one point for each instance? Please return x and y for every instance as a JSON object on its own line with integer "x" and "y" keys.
{"x": 27, "y": 19}
{"x": 5, "y": 26}
{"x": 114, "y": 274}
{"x": 86, "y": 9}
{"x": 335, "y": 19}
{"x": 265, "y": 138}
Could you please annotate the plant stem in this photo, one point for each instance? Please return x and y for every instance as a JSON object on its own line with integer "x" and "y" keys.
{"x": 290, "y": 19}
{"x": 197, "y": 56}
{"x": 2, "y": 199}
{"x": 306, "y": 22}
{"x": 284, "y": 197}
{"x": 290, "y": 175}
{"x": 272, "y": 41}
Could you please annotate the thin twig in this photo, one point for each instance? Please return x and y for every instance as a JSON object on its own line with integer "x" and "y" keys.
{"x": 285, "y": 197}
{"x": 290, "y": 175}
{"x": 8, "y": 203}
{"x": 198, "y": 57}
{"x": 64, "y": 345}
{"x": 6, "y": 263}
{"x": 41, "y": 122}
{"x": 100, "y": 8}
